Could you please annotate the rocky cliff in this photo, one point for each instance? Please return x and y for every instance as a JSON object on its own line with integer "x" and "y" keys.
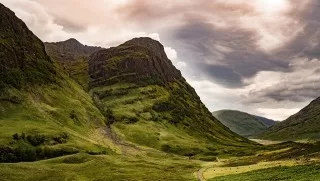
{"x": 72, "y": 56}
{"x": 23, "y": 59}
{"x": 140, "y": 60}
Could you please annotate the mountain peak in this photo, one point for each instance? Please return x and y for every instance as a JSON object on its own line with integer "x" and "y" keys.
{"x": 142, "y": 58}
{"x": 148, "y": 43}
{"x": 73, "y": 41}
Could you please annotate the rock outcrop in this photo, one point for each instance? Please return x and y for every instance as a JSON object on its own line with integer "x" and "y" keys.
{"x": 140, "y": 60}
{"x": 69, "y": 50}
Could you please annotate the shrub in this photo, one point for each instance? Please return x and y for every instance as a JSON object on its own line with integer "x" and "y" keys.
{"x": 73, "y": 115}
{"x": 36, "y": 139}
{"x": 61, "y": 138}
{"x": 16, "y": 136}
{"x": 133, "y": 120}
{"x": 108, "y": 113}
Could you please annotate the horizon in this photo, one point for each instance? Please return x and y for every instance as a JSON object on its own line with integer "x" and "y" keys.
{"x": 231, "y": 62}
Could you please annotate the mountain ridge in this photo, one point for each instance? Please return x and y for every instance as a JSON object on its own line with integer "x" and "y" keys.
{"x": 73, "y": 57}
{"x": 302, "y": 125}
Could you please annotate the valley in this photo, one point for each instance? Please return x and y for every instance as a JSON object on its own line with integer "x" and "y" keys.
{"x": 69, "y": 111}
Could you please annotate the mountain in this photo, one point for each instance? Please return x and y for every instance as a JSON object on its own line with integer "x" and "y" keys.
{"x": 146, "y": 99}
{"x": 23, "y": 59}
{"x": 240, "y": 122}
{"x": 303, "y": 125}
{"x": 135, "y": 91}
{"x": 73, "y": 57}
{"x": 43, "y": 113}
{"x": 268, "y": 122}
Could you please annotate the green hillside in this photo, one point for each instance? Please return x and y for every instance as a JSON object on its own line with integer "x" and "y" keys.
{"x": 302, "y": 126}
{"x": 148, "y": 102}
{"x": 43, "y": 113}
{"x": 239, "y": 122}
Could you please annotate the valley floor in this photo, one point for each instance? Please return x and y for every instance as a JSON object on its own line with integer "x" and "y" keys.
{"x": 150, "y": 164}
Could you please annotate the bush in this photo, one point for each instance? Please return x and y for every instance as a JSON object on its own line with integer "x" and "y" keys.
{"x": 163, "y": 107}
{"x": 61, "y": 138}
{"x": 36, "y": 139}
{"x": 39, "y": 139}
{"x": 133, "y": 120}
{"x": 73, "y": 115}
{"x": 16, "y": 136}
{"x": 108, "y": 113}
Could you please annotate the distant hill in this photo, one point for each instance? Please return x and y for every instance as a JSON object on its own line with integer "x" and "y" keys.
{"x": 241, "y": 123}
{"x": 73, "y": 57}
{"x": 303, "y": 125}
{"x": 268, "y": 122}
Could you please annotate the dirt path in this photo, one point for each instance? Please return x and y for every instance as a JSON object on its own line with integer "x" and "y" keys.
{"x": 200, "y": 174}
{"x": 212, "y": 171}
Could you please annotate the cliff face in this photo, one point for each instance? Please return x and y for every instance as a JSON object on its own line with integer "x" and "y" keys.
{"x": 72, "y": 56}
{"x": 23, "y": 59}
{"x": 140, "y": 60}
{"x": 69, "y": 50}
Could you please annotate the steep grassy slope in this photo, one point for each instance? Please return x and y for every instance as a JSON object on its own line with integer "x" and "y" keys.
{"x": 148, "y": 102}
{"x": 303, "y": 125}
{"x": 43, "y": 113}
{"x": 239, "y": 122}
{"x": 73, "y": 57}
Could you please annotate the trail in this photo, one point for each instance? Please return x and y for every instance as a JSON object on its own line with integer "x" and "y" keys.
{"x": 216, "y": 170}
{"x": 200, "y": 174}
{"x": 204, "y": 169}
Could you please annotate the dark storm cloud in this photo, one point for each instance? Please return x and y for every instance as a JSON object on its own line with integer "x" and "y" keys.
{"x": 306, "y": 44}
{"x": 226, "y": 56}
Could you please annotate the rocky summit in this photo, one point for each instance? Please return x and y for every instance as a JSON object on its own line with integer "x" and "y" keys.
{"x": 140, "y": 60}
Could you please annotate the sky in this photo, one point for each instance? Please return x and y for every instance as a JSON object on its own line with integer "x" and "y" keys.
{"x": 257, "y": 56}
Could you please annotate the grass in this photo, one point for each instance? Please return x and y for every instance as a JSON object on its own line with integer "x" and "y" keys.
{"x": 50, "y": 110}
{"x": 169, "y": 119}
{"x": 114, "y": 167}
{"x": 287, "y": 173}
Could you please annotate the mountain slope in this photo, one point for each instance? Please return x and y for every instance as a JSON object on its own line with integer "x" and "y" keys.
{"x": 303, "y": 125}
{"x": 239, "y": 122}
{"x": 73, "y": 57}
{"x": 148, "y": 102}
{"x": 43, "y": 113}
{"x": 268, "y": 122}
{"x": 21, "y": 62}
